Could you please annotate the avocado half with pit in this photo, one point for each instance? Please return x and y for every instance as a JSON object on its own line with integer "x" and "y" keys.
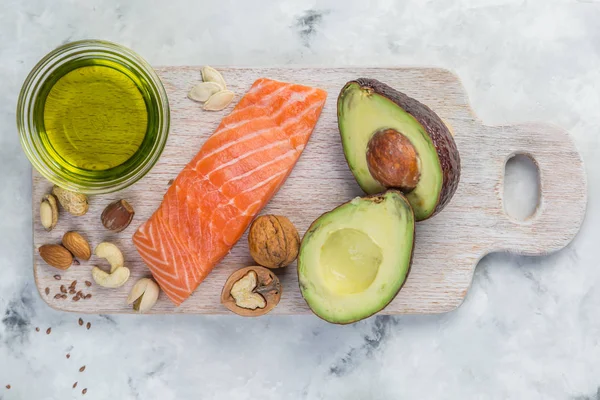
{"x": 391, "y": 140}
{"x": 354, "y": 259}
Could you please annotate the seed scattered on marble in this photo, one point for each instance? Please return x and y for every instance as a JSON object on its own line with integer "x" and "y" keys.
{"x": 68, "y": 356}
{"x": 80, "y": 293}
{"x": 8, "y": 386}
{"x": 74, "y": 385}
{"x": 48, "y": 331}
{"x": 170, "y": 182}
{"x": 76, "y": 298}
{"x": 76, "y": 262}
{"x": 88, "y": 296}
{"x": 88, "y": 283}
{"x": 37, "y": 328}
{"x": 80, "y": 322}
{"x": 63, "y": 296}
{"x": 73, "y": 284}
{"x": 88, "y": 325}
{"x": 63, "y": 289}
{"x": 72, "y": 291}
{"x": 84, "y": 391}
{"x": 57, "y": 277}
{"x": 47, "y": 290}
{"x": 82, "y": 369}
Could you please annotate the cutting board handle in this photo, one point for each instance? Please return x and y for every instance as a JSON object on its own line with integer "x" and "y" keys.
{"x": 563, "y": 189}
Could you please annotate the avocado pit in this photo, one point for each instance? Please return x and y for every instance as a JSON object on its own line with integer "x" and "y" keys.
{"x": 393, "y": 160}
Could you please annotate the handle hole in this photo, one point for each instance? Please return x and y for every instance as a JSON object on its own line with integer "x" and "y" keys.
{"x": 521, "y": 187}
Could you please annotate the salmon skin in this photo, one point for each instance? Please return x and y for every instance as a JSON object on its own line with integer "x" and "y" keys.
{"x": 237, "y": 171}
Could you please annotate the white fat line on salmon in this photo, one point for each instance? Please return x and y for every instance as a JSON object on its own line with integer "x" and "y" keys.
{"x": 168, "y": 225}
{"x": 167, "y": 239}
{"x": 255, "y": 134}
{"x": 261, "y": 166}
{"x": 233, "y": 161}
{"x": 245, "y": 155}
{"x": 292, "y": 100}
{"x": 232, "y": 201}
{"x": 261, "y": 104}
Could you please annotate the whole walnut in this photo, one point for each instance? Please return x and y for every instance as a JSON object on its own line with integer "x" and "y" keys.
{"x": 273, "y": 241}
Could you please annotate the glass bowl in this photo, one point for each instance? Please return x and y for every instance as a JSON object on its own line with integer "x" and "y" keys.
{"x": 30, "y": 121}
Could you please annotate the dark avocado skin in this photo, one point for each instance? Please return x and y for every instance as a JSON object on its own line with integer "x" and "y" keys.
{"x": 376, "y": 198}
{"x": 436, "y": 129}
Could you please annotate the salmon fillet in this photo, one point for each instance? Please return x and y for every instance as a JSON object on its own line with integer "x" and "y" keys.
{"x": 237, "y": 171}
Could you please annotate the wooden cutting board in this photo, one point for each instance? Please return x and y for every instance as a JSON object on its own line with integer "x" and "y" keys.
{"x": 448, "y": 246}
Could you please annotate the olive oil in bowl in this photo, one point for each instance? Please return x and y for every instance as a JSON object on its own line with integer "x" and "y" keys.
{"x": 93, "y": 117}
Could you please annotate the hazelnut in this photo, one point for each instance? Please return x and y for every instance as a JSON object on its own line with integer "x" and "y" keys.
{"x": 273, "y": 241}
{"x": 393, "y": 160}
{"x": 251, "y": 291}
{"x": 117, "y": 215}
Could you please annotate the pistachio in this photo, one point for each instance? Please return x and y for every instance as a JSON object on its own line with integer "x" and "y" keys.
{"x": 77, "y": 245}
{"x": 202, "y": 91}
{"x": 49, "y": 212}
{"x": 143, "y": 295}
{"x": 74, "y": 203}
{"x": 209, "y": 74}
{"x": 219, "y": 100}
{"x": 117, "y": 215}
{"x": 56, "y": 256}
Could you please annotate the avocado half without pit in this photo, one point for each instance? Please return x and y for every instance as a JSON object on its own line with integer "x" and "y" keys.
{"x": 354, "y": 259}
{"x": 391, "y": 140}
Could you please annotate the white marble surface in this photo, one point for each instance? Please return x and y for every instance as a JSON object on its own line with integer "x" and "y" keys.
{"x": 529, "y": 328}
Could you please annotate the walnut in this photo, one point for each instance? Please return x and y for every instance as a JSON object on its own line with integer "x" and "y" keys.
{"x": 251, "y": 291}
{"x": 273, "y": 241}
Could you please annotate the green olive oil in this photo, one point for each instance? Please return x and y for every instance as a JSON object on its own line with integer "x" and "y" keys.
{"x": 95, "y": 118}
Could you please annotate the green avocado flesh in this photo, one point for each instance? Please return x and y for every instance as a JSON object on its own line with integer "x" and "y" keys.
{"x": 361, "y": 113}
{"x": 354, "y": 259}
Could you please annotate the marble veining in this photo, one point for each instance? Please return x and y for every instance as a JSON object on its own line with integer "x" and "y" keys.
{"x": 529, "y": 327}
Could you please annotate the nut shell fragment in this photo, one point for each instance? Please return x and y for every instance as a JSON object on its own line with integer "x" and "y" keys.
{"x": 49, "y": 212}
{"x": 56, "y": 256}
{"x": 74, "y": 203}
{"x": 77, "y": 245}
{"x": 251, "y": 291}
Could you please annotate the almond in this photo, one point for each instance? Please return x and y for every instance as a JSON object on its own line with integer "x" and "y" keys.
{"x": 56, "y": 256}
{"x": 117, "y": 215}
{"x": 77, "y": 245}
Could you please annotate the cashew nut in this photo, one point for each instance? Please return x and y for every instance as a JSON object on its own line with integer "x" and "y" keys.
{"x": 111, "y": 253}
{"x": 143, "y": 295}
{"x": 243, "y": 292}
{"x": 118, "y": 274}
